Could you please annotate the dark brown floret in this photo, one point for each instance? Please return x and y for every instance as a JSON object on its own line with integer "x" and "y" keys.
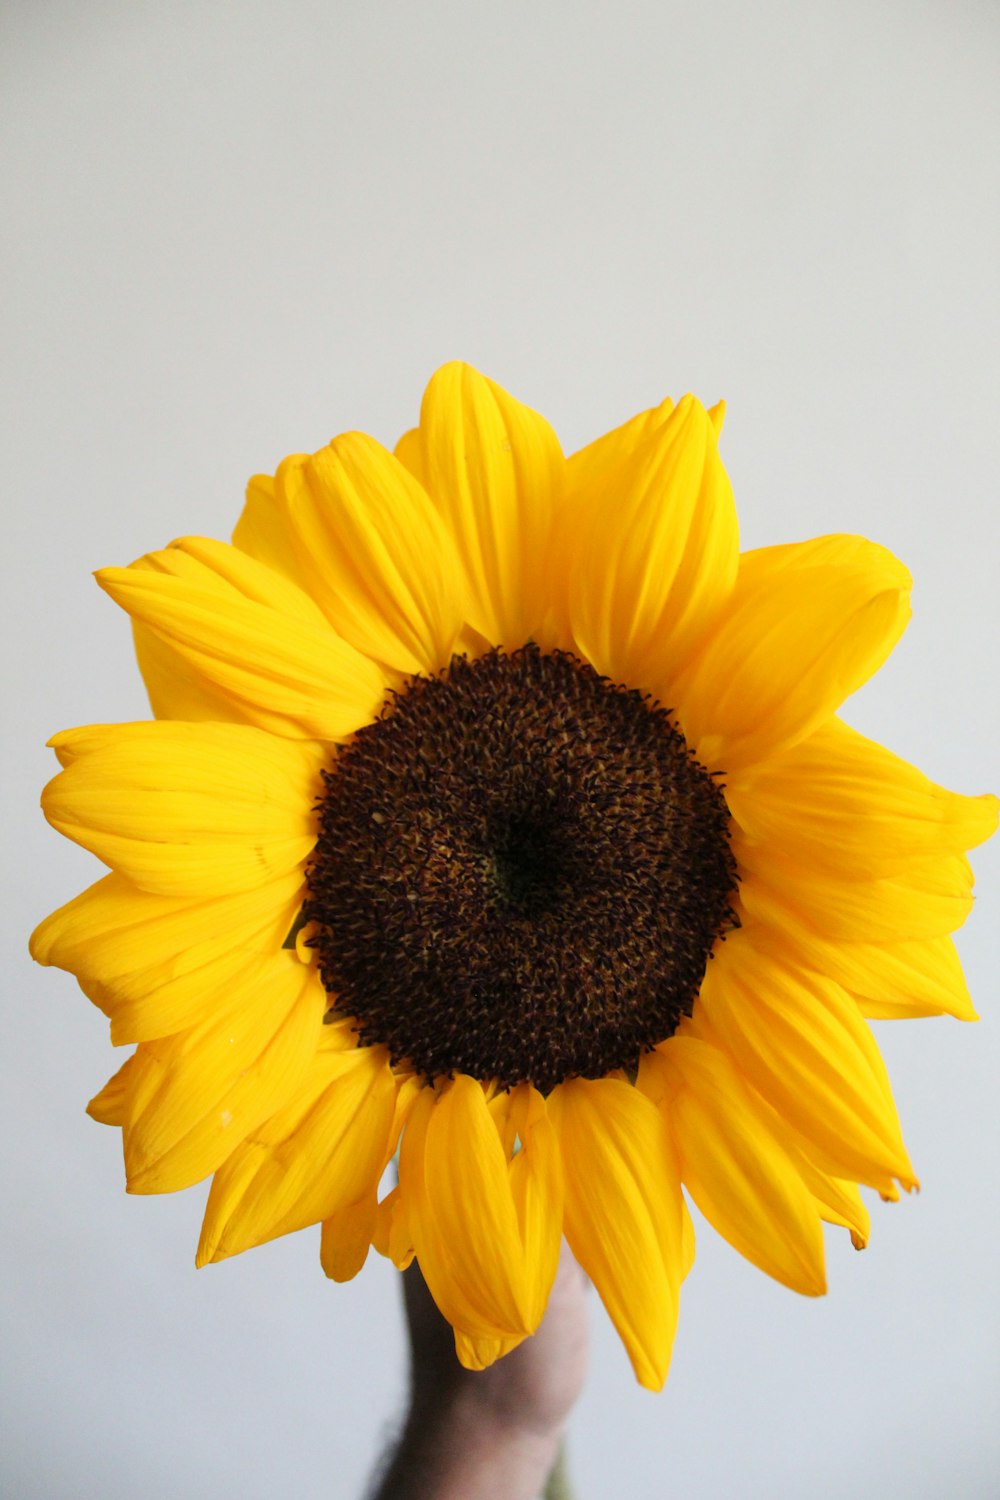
{"x": 520, "y": 874}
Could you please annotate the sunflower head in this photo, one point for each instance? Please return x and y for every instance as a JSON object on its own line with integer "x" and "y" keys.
{"x": 496, "y": 810}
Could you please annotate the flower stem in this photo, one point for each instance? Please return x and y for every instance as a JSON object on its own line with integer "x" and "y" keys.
{"x": 557, "y": 1486}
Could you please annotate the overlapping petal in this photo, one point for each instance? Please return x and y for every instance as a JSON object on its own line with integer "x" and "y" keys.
{"x": 157, "y": 964}
{"x": 800, "y": 1041}
{"x": 926, "y": 898}
{"x": 315, "y": 1159}
{"x": 195, "y": 1096}
{"x": 374, "y": 553}
{"x": 651, "y": 551}
{"x": 805, "y": 626}
{"x": 624, "y": 1219}
{"x": 599, "y": 460}
{"x": 187, "y": 810}
{"x": 839, "y": 802}
{"x": 263, "y": 532}
{"x": 251, "y": 638}
{"x": 494, "y": 469}
{"x": 486, "y": 1236}
{"x": 734, "y": 1165}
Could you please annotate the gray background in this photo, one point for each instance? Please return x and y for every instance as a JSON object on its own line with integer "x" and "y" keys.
{"x": 234, "y": 229}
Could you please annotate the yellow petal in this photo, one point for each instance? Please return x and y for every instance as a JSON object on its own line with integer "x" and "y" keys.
{"x": 453, "y": 1179}
{"x": 157, "y": 964}
{"x": 110, "y": 1106}
{"x": 837, "y": 1200}
{"x": 889, "y": 981}
{"x": 624, "y": 1218}
{"x": 173, "y": 687}
{"x": 494, "y": 469}
{"x": 309, "y": 1161}
{"x": 800, "y": 1042}
{"x": 536, "y": 1185}
{"x": 846, "y": 804}
{"x": 410, "y": 453}
{"x": 252, "y": 637}
{"x": 374, "y": 553}
{"x": 187, "y": 809}
{"x": 736, "y": 1170}
{"x": 346, "y": 1238}
{"x": 805, "y": 626}
{"x": 263, "y": 532}
{"x": 651, "y": 553}
{"x": 391, "y": 1235}
{"x": 195, "y": 1096}
{"x": 926, "y": 899}
{"x": 480, "y": 1353}
{"x": 605, "y": 455}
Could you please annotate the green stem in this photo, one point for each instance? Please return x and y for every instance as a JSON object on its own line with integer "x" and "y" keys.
{"x": 557, "y": 1486}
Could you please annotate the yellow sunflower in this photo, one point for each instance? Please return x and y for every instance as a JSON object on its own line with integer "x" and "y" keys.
{"x": 496, "y": 810}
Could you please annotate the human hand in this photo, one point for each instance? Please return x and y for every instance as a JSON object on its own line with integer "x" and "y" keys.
{"x": 494, "y": 1432}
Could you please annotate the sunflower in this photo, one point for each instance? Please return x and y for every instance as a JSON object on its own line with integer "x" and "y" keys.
{"x": 496, "y": 811}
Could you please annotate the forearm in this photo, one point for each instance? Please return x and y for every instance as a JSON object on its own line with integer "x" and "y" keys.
{"x": 461, "y": 1450}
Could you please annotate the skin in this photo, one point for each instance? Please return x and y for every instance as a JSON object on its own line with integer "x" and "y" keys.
{"x": 493, "y": 1433}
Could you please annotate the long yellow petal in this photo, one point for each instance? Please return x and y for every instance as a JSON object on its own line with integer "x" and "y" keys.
{"x": 651, "y": 553}
{"x": 806, "y": 625}
{"x": 157, "y": 964}
{"x": 494, "y": 469}
{"x": 374, "y": 553}
{"x": 922, "y": 977}
{"x": 197, "y": 1095}
{"x": 624, "y": 1218}
{"x": 927, "y": 898}
{"x": 187, "y": 809}
{"x": 250, "y": 635}
{"x": 800, "y": 1041}
{"x": 846, "y": 804}
{"x": 735, "y": 1168}
{"x": 310, "y": 1161}
{"x": 453, "y": 1179}
{"x": 537, "y": 1188}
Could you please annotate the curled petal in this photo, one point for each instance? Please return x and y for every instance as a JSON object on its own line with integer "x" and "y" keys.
{"x": 928, "y": 898}
{"x": 919, "y": 977}
{"x": 374, "y": 553}
{"x": 195, "y": 1096}
{"x": 110, "y": 1105}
